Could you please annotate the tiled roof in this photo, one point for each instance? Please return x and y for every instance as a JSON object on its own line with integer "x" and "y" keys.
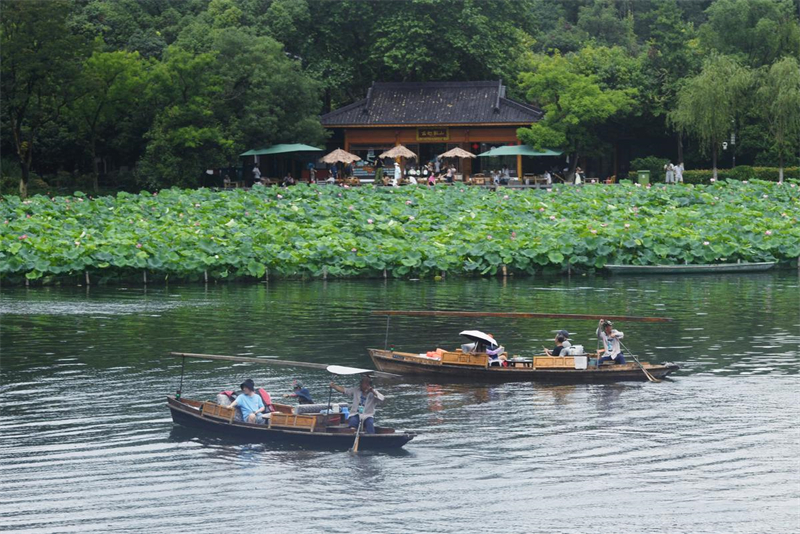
{"x": 432, "y": 103}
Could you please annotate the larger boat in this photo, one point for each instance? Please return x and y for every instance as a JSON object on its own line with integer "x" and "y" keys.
{"x": 710, "y": 268}
{"x": 458, "y": 364}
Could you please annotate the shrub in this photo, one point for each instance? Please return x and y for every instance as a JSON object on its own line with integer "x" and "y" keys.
{"x": 651, "y": 163}
{"x": 740, "y": 173}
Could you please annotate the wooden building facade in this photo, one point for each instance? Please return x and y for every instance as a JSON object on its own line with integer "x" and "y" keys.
{"x": 430, "y": 118}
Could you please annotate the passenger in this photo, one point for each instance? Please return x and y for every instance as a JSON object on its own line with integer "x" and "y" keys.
{"x": 610, "y": 339}
{"x": 250, "y": 405}
{"x": 302, "y": 394}
{"x": 365, "y": 399}
{"x": 557, "y": 350}
{"x": 565, "y": 335}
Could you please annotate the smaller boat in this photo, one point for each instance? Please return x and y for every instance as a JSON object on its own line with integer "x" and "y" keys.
{"x": 306, "y": 430}
{"x": 711, "y": 268}
{"x": 305, "y": 426}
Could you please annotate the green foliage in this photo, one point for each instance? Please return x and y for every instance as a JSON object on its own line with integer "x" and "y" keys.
{"x": 780, "y": 102}
{"x": 413, "y": 231}
{"x": 740, "y": 173}
{"x": 651, "y": 163}
{"x": 574, "y": 102}
{"x": 758, "y": 32}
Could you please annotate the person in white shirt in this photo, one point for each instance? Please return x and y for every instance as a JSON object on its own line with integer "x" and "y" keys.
{"x": 670, "y": 171}
{"x": 679, "y": 173}
{"x": 548, "y": 178}
{"x": 609, "y": 337}
{"x": 256, "y": 174}
{"x": 398, "y": 173}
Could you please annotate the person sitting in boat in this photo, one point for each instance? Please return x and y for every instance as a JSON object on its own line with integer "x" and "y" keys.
{"x": 566, "y": 344}
{"x": 365, "y": 399}
{"x": 300, "y": 393}
{"x": 496, "y": 357}
{"x": 559, "y": 348}
{"x": 609, "y": 337}
{"x": 250, "y": 405}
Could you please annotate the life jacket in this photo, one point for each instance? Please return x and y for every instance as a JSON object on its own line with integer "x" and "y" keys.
{"x": 266, "y": 398}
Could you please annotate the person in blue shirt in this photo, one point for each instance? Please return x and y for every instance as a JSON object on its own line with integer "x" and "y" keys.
{"x": 302, "y": 394}
{"x": 250, "y": 405}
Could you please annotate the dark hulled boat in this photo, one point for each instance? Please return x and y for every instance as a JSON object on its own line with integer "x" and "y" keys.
{"x": 312, "y": 431}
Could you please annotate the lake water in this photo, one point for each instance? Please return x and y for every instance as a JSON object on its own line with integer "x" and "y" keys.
{"x": 87, "y": 443}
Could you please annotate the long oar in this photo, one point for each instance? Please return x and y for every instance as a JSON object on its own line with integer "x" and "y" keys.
{"x": 650, "y": 377}
{"x": 521, "y": 315}
{"x": 358, "y": 435}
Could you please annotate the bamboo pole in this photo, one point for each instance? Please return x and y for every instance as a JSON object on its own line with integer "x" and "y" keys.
{"x": 266, "y": 361}
{"x": 521, "y": 315}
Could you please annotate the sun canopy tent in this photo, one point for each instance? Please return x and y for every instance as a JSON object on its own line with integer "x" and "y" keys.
{"x": 339, "y": 156}
{"x": 457, "y": 153}
{"x": 281, "y": 149}
{"x": 518, "y": 150}
{"x": 398, "y": 152}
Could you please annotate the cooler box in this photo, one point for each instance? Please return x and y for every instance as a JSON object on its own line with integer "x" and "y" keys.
{"x": 581, "y": 362}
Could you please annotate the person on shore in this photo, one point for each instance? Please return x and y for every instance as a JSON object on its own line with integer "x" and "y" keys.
{"x": 288, "y": 180}
{"x": 548, "y": 178}
{"x": 256, "y": 175}
{"x": 365, "y": 400}
{"x": 302, "y": 394}
{"x": 250, "y": 405}
{"x": 312, "y": 173}
{"x": 578, "y": 176}
{"x": 398, "y": 174}
{"x": 451, "y": 175}
{"x": 679, "y": 173}
{"x": 334, "y": 173}
{"x": 609, "y": 338}
{"x": 558, "y": 349}
{"x": 670, "y": 173}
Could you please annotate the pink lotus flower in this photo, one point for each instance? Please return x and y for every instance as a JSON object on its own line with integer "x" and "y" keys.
{"x": 744, "y": 181}
{"x": 138, "y": 245}
{"x": 706, "y": 243}
{"x": 197, "y": 224}
{"x": 791, "y": 185}
{"x": 593, "y": 231}
{"x": 370, "y": 221}
{"x": 351, "y": 208}
{"x": 354, "y": 249}
{"x": 505, "y": 197}
{"x": 541, "y": 209}
{"x": 513, "y": 235}
{"x": 637, "y": 184}
{"x": 410, "y": 217}
{"x": 281, "y": 196}
{"x": 408, "y": 202}
{"x": 6, "y": 221}
{"x": 80, "y": 200}
{"x": 549, "y": 190}
{"x": 197, "y": 205}
{"x": 713, "y": 180}
{"x": 768, "y": 232}
{"x": 627, "y": 225}
{"x": 77, "y": 243}
{"x": 552, "y": 217}
{"x": 489, "y": 237}
{"x": 603, "y": 225}
{"x": 24, "y": 236}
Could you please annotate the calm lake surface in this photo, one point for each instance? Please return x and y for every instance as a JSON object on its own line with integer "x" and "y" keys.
{"x": 87, "y": 443}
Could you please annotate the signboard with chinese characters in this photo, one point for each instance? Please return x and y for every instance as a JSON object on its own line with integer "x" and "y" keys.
{"x": 433, "y": 134}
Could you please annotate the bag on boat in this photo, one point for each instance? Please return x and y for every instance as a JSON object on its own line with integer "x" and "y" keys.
{"x": 267, "y": 399}
{"x": 575, "y": 350}
{"x": 225, "y": 398}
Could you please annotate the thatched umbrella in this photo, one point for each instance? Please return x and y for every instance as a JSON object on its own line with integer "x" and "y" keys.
{"x": 457, "y": 153}
{"x": 339, "y": 156}
{"x": 398, "y": 152}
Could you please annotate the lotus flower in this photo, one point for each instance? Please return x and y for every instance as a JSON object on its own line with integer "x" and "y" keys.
{"x": 768, "y": 232}
{"x": 593, "y": 231}
{"x": 706, "y": 243}
{"x": 627, "y": 225}
{"x": 354, "y": 249}
{"x": 489, "y": 237}
{"x": 138, "y": 245}
{"x": 370, "y": 221}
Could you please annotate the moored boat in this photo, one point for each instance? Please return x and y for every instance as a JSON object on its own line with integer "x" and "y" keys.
{"x": 460, "y": 365}
{"x": 308, "y": 430}
{"x": 711, "y": 268}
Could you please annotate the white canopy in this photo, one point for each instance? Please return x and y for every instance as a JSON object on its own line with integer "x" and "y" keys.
{"x": 477, "y": 335}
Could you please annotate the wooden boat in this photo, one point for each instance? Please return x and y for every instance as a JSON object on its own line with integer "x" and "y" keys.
{"x": 712, "y": 268}
{"x": 460, "y": 365}
{"x": 313, "y": 431}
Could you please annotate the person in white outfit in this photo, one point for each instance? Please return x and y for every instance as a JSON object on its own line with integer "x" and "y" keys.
{"x": 679, "y": 173}
{"x": 610, "y": 339}
{"x": 670, "y": 168}
{"x": 398, "y": 173}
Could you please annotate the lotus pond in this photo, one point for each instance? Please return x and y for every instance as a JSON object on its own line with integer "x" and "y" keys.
{"x": 317, "y": 231}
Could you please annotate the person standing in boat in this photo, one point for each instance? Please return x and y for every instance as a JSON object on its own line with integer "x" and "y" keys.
{"x": 365, "y": 399}
{"x": 610, "y": 339}
{"x": 250, "y": 405}
{"x": 303, "y": 395}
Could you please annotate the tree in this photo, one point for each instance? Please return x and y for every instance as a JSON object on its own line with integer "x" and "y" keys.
{"x": 185, "y": 138}
{"x": 575, "y": 106}
{"x": 109, "y": 86}
{"x": 40, "y": 58}
{"x": 710, "y": 103}
{"x": 603, "y": 21}
{"x": 757, "y": 32}
{"x": 780, "y": 102}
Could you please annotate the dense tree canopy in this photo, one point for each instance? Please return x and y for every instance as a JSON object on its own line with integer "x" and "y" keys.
{"x": 156, "y": 91}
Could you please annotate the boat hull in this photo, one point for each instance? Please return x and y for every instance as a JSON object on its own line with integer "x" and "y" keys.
{"x": 189, "y": 417}
{"x": 390, "y": 362}
{"x": 691, "y": 269}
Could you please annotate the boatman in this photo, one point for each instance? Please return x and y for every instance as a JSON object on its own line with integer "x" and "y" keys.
{"x": 250, "y": 404}
{"x": 610, "y": 338}
{"x": 365, "y": 398}
{"x": 303, "y": 395}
